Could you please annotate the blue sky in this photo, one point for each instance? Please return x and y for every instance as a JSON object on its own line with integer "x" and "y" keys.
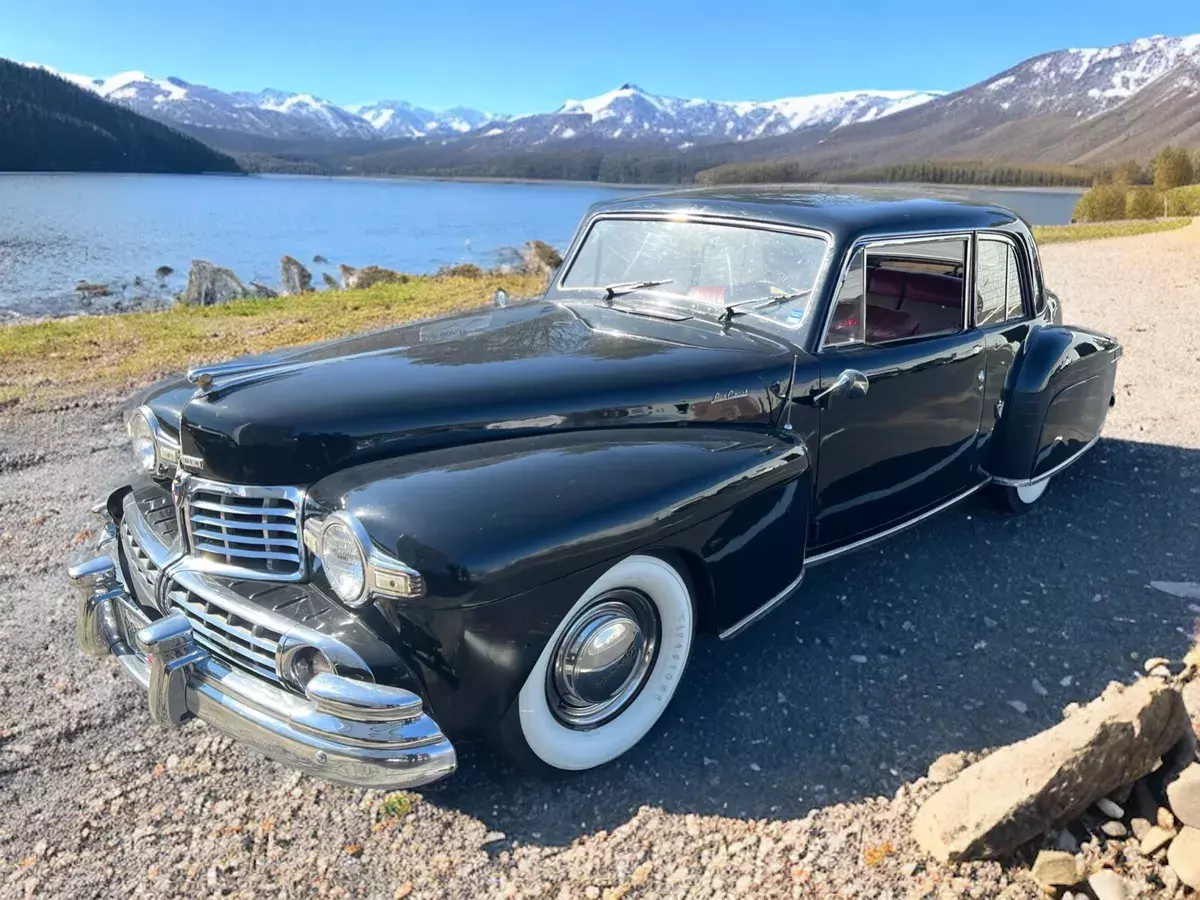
{"x": 531, "y": 55}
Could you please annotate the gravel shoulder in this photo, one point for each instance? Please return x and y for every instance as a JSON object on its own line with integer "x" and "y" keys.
{"x": 792, "y": 761}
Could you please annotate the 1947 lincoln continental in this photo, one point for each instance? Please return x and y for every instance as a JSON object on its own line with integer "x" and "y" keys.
{"x": 512, "y": 524}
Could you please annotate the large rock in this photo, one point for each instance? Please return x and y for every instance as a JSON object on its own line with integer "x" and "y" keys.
{"x": 1056, "y": 868}
{"x": 294, "y": 278}
{"x": 1184, "y": 856}
{"x": 1043, "y": 782}
{"x": 1184, "y": 796}
{"x": 209, "y": 285}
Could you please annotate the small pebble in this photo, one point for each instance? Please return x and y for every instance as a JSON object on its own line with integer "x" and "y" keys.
{"x": 1109, "y": 808}
{"x": 1115, "y": 829}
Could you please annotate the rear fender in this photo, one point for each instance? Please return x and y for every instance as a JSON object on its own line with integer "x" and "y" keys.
{"x": 1055, "y": 405}
{"x": 508, "y": 534}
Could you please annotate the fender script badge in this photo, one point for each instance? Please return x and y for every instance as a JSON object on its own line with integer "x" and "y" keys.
{"x": 191, "y": 462}
{"x": 730, "y": 395}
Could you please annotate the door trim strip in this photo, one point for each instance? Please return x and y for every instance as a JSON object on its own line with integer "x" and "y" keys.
{"x": 742, "y": 624}
{"x": 895, "y": 529}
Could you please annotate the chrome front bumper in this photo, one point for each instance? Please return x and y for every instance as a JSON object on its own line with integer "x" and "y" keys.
{"x": 343, "y": 730}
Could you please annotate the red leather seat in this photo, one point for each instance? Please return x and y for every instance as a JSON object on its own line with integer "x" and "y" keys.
{"x": 889, "y": 324}
{"x": 927, "y": 287}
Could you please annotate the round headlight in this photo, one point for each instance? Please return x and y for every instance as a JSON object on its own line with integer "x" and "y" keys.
{"x": 145, "y": 449}
{"x": 342, "y": 558}
{"x": 305, "y": 664}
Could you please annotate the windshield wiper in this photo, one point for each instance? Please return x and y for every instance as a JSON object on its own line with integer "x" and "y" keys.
{"x": 733, "y": 309}
{"x": 628, "y": 287}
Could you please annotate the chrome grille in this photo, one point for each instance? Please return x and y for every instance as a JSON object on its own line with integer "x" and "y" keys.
{"x": 227, "y": 635}
{"x": 245, "y": 530}
{"x": 142, "y": 566}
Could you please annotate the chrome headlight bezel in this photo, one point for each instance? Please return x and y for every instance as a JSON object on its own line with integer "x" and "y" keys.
{"x": 383, "y": 574}
{"x": 350, "y": 582}
{"x": 164, "y": 449}
{"x": 142, "y": 428}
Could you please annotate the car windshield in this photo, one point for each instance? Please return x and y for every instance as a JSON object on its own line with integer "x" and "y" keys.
{"x": 726, "y": 265}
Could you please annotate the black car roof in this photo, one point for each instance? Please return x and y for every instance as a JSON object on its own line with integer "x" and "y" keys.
{"x": 843, "y": 212}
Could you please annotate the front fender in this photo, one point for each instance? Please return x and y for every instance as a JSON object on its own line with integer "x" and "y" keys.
{"x": 507, "y": 534}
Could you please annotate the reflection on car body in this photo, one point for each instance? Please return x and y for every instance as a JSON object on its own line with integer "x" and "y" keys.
{"x": 513, "y": 523}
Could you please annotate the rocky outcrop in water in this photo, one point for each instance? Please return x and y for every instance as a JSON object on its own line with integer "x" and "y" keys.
{"x": 294, "y": 277}
{"x": 209, "y": 284}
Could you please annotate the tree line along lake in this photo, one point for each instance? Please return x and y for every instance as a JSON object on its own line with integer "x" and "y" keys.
{"x": 57, "y": 230}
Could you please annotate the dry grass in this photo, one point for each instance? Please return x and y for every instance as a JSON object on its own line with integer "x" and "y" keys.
{"x": 62, "y": 359}
{"x": 1059, "y": 234}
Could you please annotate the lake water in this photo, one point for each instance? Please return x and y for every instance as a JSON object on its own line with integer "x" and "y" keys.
{"x": 59, "y": 229}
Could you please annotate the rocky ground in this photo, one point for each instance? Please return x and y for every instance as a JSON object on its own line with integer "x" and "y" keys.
{"x": 791, "y": 763}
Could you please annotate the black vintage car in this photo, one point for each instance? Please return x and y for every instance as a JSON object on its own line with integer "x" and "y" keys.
{"x": 512, "y": 524}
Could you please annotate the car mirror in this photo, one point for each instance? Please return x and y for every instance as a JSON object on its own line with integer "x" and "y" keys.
{"x": 851, "y": 383}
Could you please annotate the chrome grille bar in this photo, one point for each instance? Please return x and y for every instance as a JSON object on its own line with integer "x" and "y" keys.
{"x": 248, "y": 531}
{"x": 252, "y": 647}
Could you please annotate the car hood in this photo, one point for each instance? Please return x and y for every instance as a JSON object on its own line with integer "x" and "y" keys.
{"x": 481, "y": 376}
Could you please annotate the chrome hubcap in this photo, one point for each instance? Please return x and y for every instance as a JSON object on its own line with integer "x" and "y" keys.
{"x": 602, "y": 659}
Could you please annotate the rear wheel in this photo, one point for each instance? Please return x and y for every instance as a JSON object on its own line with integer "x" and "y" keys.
{"x": 1020, "y": 499}
{"x": 607, "y": 673}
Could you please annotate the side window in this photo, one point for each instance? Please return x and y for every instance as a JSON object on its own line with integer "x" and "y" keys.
{"x": 894, "y": 291}
{"x": 991, "y": 280}
{"x": 1016, "y": 307}
{"x": 998, "y": 295}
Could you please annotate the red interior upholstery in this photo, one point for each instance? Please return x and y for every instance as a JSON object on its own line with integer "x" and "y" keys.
{"x": 926, "y": 287}
{"x": 921, "y": 287}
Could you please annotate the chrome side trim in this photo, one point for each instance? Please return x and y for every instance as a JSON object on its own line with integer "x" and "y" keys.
{"x": 738, "y": 627}
{"x": 1028, "y": 482}
{"x": 895, "y": 529}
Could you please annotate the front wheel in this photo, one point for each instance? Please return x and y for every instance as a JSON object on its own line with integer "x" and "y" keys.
{"x": 1020, "y": 499}
{"x": 607, "y": 673}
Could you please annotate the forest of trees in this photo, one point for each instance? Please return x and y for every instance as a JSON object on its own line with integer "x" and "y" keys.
{"x": 1133, "y": 191}
{"x": 964, "y": 172}
{"x": 52, "y": 125}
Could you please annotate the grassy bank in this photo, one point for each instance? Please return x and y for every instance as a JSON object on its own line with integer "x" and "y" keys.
{"x": 61, "y": 359}
{"x": 1058, "y": 234}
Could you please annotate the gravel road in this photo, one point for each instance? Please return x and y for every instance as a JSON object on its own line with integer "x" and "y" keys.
{"x": 789, "y": 765}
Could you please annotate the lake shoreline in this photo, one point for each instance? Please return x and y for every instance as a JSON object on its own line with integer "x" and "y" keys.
{"x": 117, "y": 232}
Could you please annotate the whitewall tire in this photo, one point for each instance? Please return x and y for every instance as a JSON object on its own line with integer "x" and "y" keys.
{"x": 608, "y": 672}
{"x": 1021, "y": 499}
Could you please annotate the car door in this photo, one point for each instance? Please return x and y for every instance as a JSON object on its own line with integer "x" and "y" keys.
{"x": 908, "y": 443}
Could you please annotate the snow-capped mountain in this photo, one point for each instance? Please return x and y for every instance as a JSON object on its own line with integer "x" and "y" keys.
{"x": 1088, "y": 82}
{"x": 269, "y": 113}
{"x": 630, "y": 113}
{"x": 400, "y": 119}
{"x": 1081, "y": 106}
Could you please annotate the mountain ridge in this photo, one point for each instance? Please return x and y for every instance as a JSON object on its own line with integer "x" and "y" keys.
{"x": 52, "y": 125}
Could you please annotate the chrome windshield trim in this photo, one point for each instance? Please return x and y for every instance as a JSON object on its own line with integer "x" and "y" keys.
{"x": 667, "y": 298}
{"x": 895, "y": 529}
{"x": 742, "y": 624}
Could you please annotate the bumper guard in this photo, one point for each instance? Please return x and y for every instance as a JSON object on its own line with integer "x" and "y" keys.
{"x": 343, "y": 730}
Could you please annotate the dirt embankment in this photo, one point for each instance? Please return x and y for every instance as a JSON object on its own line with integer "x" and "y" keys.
{"x": 790, "y": 764}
